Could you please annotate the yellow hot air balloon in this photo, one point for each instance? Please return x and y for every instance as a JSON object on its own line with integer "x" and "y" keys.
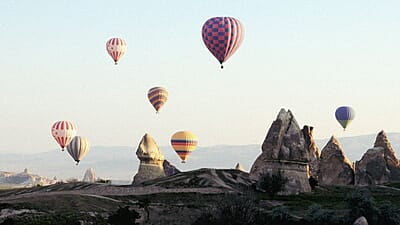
{"x": 78, "y": 148}
{"x": 157, "y": 97}
{"x": 184, "y": 143}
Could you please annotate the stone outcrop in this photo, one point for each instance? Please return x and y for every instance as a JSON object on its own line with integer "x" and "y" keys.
{"x": 90, "y": 176}
{"x": 313, "y": 150}
{"x": 24, "y": 179}
{"x": 287, "y": 149}
{"x": 335, "y": 168}
{"x": 170, "y": 169}
{"x": 151, "y": 160}
{"x": 239, "y": 167}
{"x": 361, "y": 221}
{"x": 379, "y": 164}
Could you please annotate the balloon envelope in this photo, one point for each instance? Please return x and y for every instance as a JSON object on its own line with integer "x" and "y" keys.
{"x": 157, "y": 97}
{"x": 63, "y": 132}
{"x": 222, "y": 36}
{"x": 344, "y": 115}
{"x": 116, "y": 48}
{"x": 184, "y": 143}
{"x": 78, "y": 148}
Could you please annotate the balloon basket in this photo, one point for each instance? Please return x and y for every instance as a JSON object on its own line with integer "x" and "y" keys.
{"x": 183, "y": 161}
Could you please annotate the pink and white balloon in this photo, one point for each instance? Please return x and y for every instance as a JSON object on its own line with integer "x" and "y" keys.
{"x": 116, "y": 48}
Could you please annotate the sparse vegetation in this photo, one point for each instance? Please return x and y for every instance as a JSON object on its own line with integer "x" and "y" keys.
{"x": 124, "y": 216}
{"x": 272, "y": 183}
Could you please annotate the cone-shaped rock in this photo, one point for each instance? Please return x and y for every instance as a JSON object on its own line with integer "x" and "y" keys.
{"x": 379, "y": 164}
{"x": 90, "y": 176}
{"x": 361, "y": 221}
{"x": 335, "y": 168}
{"x": 170, "y": 169}
{"x": 239, "y": 167}
{"x": 287, "y": 149}
{"x": 390, "y": 156}
{"x": 151, "y": 160}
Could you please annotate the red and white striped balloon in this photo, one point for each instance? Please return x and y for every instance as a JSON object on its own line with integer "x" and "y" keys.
{"x": 116, "y": 48}
{"x": 63, "y": 132}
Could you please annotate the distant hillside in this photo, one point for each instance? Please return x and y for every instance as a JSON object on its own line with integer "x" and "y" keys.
{"x": 23, "y": 179}
{"x": 120, "y": 163}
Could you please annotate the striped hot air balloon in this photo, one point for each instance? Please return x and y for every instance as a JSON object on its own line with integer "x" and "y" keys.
{"x": 78, "y": 148}
{"x": 222, "y": 36}
{"x": 157, "y": 97}
{"x": 63, "y": 132}
{"x": 184, "y": 143}
{"x": 116, "y": 48}
{"x": 344, "y": 115}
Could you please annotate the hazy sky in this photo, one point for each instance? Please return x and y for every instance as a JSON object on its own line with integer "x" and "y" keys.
{"x": 308, "y": 56}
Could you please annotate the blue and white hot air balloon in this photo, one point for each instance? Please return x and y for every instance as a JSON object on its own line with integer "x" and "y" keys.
{"x": 344, "y": 115}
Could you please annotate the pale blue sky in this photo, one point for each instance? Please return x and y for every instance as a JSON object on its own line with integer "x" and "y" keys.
{"x": 309, "y": 56}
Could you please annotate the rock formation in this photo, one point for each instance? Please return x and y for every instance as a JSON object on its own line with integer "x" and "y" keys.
{"x": 90, "y": 176}
{"x": 288, "y": 149}
{"x": 24, "y": 179}
{"x": 239, "y": 167}
{"x": 335, "y": 168}
{"x": 312, "y": 149}
{"x": 151, "y": 160}
{"x": 379, "y": 164}
{"x": 170, "y": 169}
{"x": 361, "y": 221}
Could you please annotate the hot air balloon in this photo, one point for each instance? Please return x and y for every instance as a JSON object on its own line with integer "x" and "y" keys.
{"x": 157, "y": 97}
{"x": 184, "y": 142}
{"x": 116, "y": 48}
{"x": 78, "y": 148}
{"x": 222, "y": 36}
{"x": 63, "y": 132}
{"x": 344, "y": 115}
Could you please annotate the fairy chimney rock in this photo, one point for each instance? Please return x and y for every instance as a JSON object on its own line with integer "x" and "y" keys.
{"x": 335, "y": 168}
{"x": 239, "y": 167}
{"x": 151, "y": 160}
{"x": 379, "y": 164}
{"x": 289, "y": 150}
{"x": 90, "y": 176}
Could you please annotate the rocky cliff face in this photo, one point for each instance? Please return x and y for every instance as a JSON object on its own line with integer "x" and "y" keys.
{"x": 379, "y": 164}
{"x": 288, "y": 149}
{"x": 170, "y": 169}
{"x": 151, "y": 160}
{"x": 335, "y": 168}
{"x": 90, "y": 176}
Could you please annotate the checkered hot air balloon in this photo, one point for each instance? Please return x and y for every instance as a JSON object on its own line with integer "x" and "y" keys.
{"x": 344, "y": 115}
{"x": 116, "y": 48}
{"x": 184, "y": 143}
{"x": 222, "y": 36}
{"x": 63, "y": 132}
{"x": 78, "y": 148}
{"x": 157, "y": 97}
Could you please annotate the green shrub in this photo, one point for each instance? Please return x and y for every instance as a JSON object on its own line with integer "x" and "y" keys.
{"x": 389, "y": 214}
{"x": 124, "y": 216}
{"x": 272, "y": 183}
{"x": 361, "y": 203}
